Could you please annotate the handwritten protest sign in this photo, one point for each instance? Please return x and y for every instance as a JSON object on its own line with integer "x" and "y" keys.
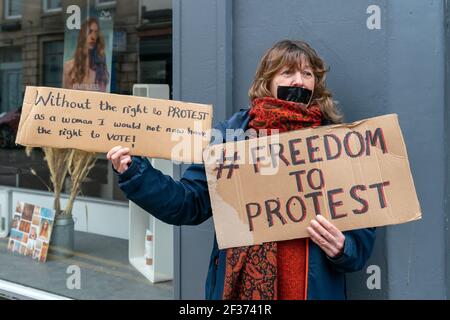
{"x": 94, "y": 121}
{"x": 268, "y": 189}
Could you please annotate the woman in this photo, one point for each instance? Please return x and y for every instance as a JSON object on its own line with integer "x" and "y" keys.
{"x": 293, "y": 269}
{"x": 87, "y": 69}
{"x": 44, "y": 229}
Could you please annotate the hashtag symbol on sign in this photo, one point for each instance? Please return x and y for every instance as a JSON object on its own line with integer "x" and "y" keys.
{"x": 231, "y": 166}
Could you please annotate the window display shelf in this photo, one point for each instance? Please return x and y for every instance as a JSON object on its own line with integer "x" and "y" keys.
{"x": 162, "y": 244}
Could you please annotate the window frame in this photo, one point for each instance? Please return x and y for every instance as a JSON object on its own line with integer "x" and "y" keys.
{"x": 19, "y": 291}
{"x": 46, "y": 9}
{"x": 6, "y": 7}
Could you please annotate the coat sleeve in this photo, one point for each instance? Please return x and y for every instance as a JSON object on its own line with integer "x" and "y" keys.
{"x": 357, "y": 250}
{"x": 184, "y": 202}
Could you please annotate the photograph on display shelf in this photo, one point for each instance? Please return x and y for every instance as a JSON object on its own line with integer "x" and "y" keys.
{"x": 16, "y": 235}
{"x": 19, "y": 207}
{"x": 15, "y": 221}
{"x": 24, "y": 226}
{"x": 88, "y": 51}
{"x": 44, "y": 229}
{"x": 27, "y": 212}
{"x": 36, "y": 254}
{"x": 30, "y": 247}
{"x": 44, "y": 250}
{"x": 36, "y": 220}
{"x": 11, "y": 244}
{"x": 16, "y": 246}
{"x": 31, "y": 231}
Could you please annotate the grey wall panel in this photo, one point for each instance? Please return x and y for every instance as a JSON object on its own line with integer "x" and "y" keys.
{"x": 195, "y": 252}
{"x": 447, "y": 147}
{"x": 203, "y": 74}
{"x": 337, "y": 30}
{"x": 416, "y": 251}
{"x": 399, "y": 68}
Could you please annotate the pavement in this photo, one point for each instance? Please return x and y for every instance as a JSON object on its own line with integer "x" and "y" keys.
{"x": 104, "y": 270}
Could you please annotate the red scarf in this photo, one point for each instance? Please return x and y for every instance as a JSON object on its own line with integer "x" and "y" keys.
{"x": 271, "y": 113}
{"x": 256, "y": 272}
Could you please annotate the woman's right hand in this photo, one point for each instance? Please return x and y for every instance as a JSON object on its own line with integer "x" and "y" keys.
{"x": 120, "y": 158}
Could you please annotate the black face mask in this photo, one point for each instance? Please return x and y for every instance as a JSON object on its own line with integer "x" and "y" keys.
{"x": 294, "y": 94}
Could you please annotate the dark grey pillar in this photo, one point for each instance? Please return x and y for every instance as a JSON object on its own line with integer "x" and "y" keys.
{"x": 202, "y": 40}
{"x": 447, "y": 147}
{"x": 416, "y": 81}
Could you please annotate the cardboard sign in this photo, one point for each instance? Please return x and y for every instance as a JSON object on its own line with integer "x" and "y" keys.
{"x": 96, "y": 122}
{"x": 269, "y": 188}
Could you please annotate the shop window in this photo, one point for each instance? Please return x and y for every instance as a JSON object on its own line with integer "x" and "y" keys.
{"x": 100, "y": 266}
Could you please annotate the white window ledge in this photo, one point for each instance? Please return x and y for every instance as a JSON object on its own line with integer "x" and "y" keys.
{"x": 22, "y": 292}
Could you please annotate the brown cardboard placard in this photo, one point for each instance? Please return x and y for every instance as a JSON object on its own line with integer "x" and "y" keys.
{"x": 265, "y": 189}
{"x": 96, "y": 122}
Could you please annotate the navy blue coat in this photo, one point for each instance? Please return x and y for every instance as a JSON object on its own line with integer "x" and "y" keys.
{"x": 187, "y": 202}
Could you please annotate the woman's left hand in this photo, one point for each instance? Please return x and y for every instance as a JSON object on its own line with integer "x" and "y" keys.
{"x": 329, "y": 238}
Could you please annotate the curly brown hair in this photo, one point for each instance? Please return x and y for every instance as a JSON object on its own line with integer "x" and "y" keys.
{"x": 292, "y": 54}
{"x": 78, "y": 72}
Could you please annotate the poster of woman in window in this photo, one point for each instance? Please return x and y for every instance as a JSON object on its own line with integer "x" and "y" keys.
{"x": 88, "y": 44}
